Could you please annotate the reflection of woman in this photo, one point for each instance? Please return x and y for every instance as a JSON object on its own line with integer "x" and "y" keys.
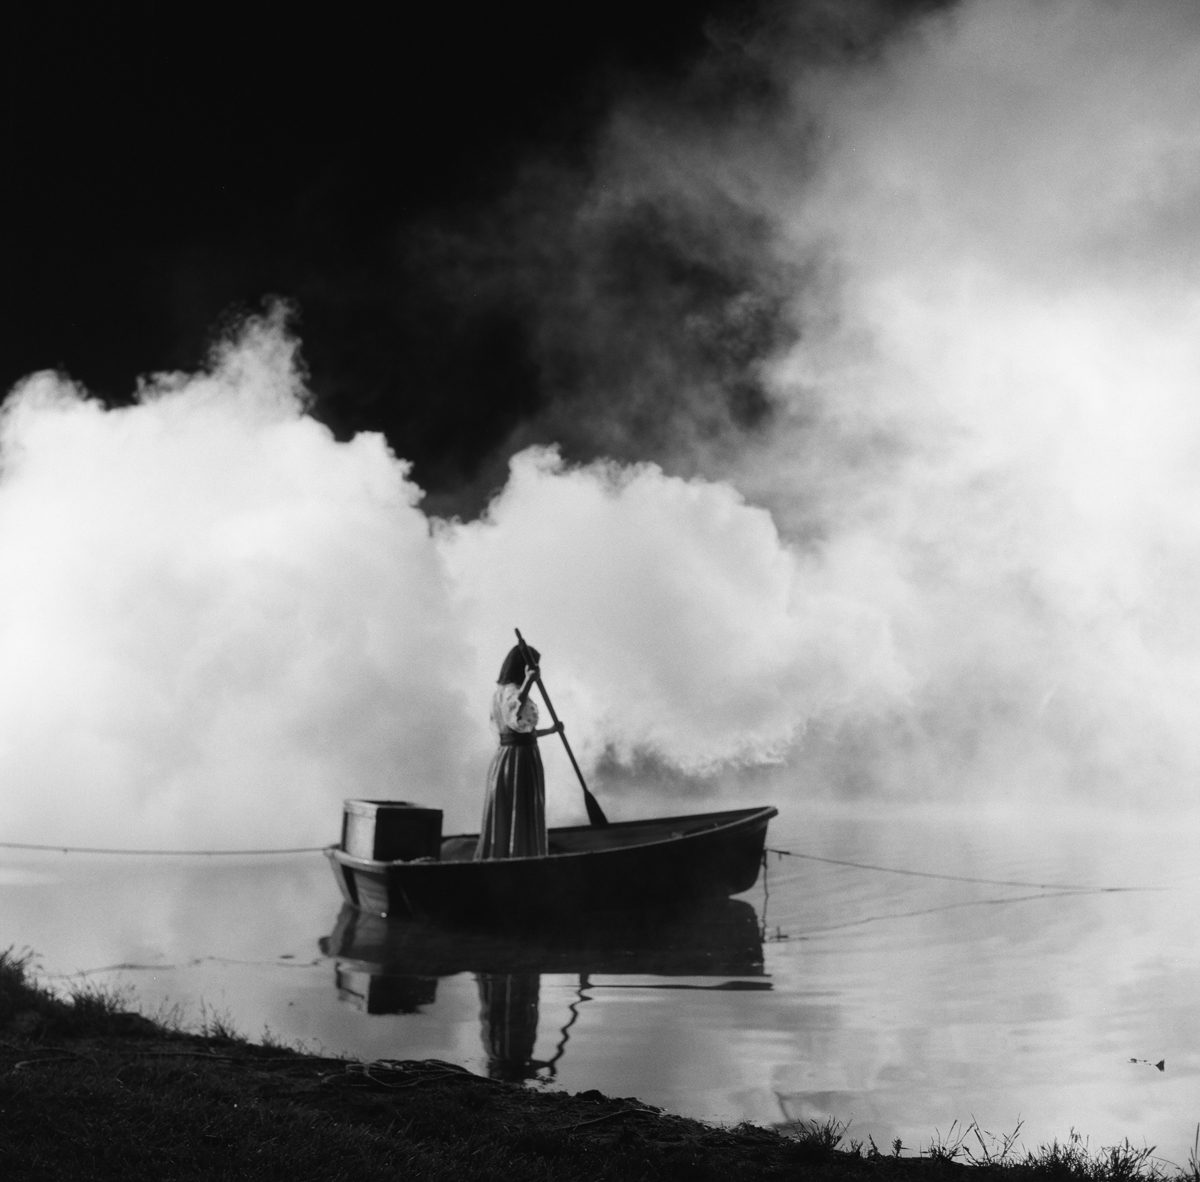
{"x": 514, "y": 814}
{"x": 509, "y": 1014}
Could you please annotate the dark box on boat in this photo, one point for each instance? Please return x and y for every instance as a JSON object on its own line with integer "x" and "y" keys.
{"x": 391, "y": 830}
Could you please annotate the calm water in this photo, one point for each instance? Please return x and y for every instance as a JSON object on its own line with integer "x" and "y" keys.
{"x": 899, "y": 1002}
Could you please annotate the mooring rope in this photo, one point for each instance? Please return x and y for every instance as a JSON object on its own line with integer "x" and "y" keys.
{"x": 87, "y": 849}
{"x": 1041, "y": 886}
{"x": 316, "y": 849}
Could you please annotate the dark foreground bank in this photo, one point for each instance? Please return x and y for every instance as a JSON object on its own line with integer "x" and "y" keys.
{"x": 88, "y": 1090}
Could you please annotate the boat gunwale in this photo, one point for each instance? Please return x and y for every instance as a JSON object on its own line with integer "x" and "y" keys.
{"x": 739, "y": 818}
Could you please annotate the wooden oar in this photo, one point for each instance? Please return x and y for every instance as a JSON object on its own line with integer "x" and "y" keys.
{"x": 594, "y": 811}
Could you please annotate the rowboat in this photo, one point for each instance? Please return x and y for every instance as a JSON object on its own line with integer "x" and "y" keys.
{"x": 393, "y": 861}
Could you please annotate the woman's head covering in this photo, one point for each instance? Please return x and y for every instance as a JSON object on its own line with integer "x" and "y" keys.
{"x": 512, "y": 672}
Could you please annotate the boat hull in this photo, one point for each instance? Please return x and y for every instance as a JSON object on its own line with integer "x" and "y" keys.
{"x": 669, "y": 861}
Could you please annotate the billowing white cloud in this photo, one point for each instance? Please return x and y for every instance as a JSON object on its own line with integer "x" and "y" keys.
{"x": 987, "y": 434}
{"x": 217, "y": 620}
{"x": 963, "y": 560}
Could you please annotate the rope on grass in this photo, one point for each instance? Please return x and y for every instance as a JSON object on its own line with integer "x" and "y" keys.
{"x": 655, "y": 1113}
{"x": 410, "y": 1073}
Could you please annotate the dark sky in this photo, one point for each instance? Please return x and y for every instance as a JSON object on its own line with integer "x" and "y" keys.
{"x": 169, "y": 166}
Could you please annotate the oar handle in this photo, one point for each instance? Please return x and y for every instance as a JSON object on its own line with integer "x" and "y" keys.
{"x": 531, "y": 664}
{"x": 594, "y": 811}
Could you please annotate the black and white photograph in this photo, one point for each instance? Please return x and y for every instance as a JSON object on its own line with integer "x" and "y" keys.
{"x": 600, "y": 592}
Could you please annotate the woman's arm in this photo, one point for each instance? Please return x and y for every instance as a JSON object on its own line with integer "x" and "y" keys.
{"x": 531, "y": 675}
{"x": 557, "y": 728}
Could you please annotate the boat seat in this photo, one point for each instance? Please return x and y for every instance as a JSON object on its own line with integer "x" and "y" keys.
{"x": 459, "y": 849}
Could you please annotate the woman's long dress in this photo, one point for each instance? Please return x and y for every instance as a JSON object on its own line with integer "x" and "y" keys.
{"x": 514, "y": 813}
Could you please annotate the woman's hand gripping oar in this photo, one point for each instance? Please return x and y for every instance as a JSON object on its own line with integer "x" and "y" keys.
{"x": 594, "y": 811}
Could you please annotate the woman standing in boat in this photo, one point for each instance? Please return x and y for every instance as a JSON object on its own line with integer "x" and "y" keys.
{"x": 514, "y": 814}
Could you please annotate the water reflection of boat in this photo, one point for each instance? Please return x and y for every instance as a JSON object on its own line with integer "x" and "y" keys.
{"x": 624, "y": 865}
{"x": 389, "y": 966}
{"x": 720, "y": 938}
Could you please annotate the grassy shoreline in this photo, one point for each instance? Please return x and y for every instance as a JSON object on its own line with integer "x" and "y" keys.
{"x": 88, "y": 1089}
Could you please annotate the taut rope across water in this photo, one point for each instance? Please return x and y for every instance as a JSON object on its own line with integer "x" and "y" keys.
{"x": 84, "y": 849}
{"x": 1041, "y": 886}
